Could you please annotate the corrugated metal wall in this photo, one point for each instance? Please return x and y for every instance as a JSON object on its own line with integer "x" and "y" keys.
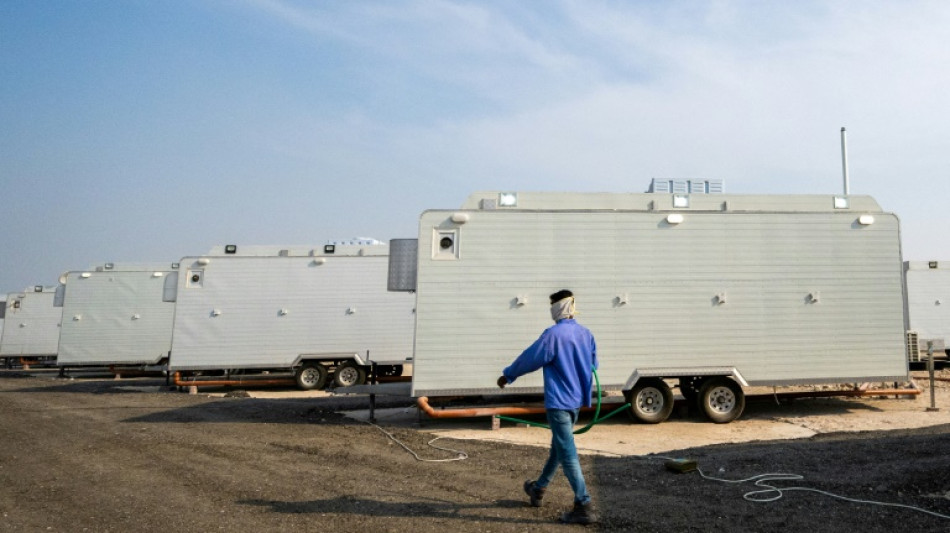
{"x": 116, "y": 317}
{"x": 928, "y": 299}
{"x": 32, "y": 327}
{"x": 649, "y": 291}
{"x": 264, "y": 312}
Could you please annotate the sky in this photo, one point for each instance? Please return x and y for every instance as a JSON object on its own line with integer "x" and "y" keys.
{"x": 140, "y": 131}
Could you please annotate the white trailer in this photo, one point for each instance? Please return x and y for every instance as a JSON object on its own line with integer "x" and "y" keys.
{"x": 310, "y": 310}
{"x": 31, "y": 325}
{"x": 116, "y": 314}
{"x": 713, "y": 291}
{"x": 928, "y": 309}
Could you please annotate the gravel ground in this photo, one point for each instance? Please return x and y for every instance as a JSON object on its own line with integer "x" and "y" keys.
{"x": 103, "y": 455}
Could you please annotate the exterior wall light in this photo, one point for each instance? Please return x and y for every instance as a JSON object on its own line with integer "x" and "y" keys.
{"x": 508, "y": 199}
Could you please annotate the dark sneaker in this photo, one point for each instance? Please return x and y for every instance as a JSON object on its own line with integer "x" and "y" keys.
{"x": 580, "y": 514}
{"x": 534, "y": 492}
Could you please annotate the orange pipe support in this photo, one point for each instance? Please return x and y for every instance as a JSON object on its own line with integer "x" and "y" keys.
{"x": 229, "y": 382}
{"x": 276, "y": 382}
{"x": 469, "y": 412}
{"x": 423, "y": 403}
{"x": 27, "y": 361}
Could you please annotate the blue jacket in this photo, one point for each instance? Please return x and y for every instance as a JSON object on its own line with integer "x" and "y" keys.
{"x": 567, "y": 353}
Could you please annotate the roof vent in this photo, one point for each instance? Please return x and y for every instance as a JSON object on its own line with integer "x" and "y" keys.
{"x": 488, "y": 204}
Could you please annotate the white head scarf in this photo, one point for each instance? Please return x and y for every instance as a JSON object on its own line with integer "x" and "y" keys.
{"x": 563, "y": 308}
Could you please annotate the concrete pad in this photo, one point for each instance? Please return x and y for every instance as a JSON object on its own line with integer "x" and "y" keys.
{"x": 612, "y": 437}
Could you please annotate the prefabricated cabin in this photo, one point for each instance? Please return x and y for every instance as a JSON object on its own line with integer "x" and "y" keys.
{"x": 928, "y": 308}
{"x": 31, "y": 324}
{"x": 314, "y": 310}
{"x": 116, "y": 314}
{"x": 764, "y": 290}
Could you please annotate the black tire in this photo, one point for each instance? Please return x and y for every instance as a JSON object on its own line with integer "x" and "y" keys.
{"x": 651, "y": 401}
{"x": 349, "y": 374}
{"x": 721, "y": 399}
{"x": 311, "y": 376}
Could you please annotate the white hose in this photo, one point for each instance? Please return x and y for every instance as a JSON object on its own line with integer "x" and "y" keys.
{"x": 460, "y": 455}
{"x": 760, "y": 480}
{"x": 763, "y": 480}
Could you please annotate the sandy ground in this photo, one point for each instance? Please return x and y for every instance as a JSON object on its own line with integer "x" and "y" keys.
{"x": 133, "y": 455}
{"x": 765, "y": 418}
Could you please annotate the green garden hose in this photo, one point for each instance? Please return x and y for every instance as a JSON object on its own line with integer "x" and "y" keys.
{"x": 596, "y": 420}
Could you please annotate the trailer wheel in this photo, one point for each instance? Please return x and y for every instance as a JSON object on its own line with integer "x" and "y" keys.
{"x": 651, "y": 401}
{"x": 721, "y": 399}
{"x": 349, "y": 374}
{"x": 311, "y": 376}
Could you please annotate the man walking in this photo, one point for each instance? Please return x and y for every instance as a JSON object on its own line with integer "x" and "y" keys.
{"x": 567, "y": 354}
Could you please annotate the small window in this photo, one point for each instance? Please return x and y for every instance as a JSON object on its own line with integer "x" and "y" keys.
{"x": 194, "y": 279}
{"x": 445, "y": 244}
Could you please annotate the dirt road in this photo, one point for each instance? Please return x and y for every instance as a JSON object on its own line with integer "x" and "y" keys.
{"x": 104, "y": 456}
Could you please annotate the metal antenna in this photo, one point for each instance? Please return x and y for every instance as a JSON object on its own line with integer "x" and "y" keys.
{"x": 844, "y": 161}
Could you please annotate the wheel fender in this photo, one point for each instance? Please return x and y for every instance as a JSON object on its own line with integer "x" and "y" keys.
{"x": 329, "y": 358}
{"x": 639, "y": 373}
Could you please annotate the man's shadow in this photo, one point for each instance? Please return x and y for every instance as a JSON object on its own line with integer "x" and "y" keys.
{"x": 427, "y": 507}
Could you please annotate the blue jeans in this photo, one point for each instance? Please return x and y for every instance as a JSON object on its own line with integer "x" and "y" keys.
{"x": 564, "y": 454}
